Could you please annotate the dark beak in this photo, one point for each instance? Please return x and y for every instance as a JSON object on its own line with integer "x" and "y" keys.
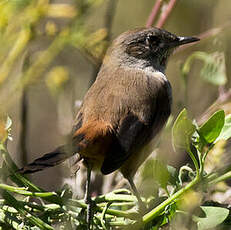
{"x": 185, "y": 40}
{"x": 181, "y": 41}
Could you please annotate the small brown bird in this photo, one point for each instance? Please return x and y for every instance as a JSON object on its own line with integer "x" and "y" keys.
{"x": 125, "y": 108}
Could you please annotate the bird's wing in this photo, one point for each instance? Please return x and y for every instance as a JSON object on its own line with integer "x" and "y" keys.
{"x": 144, "y": 112}
{"x": 127, "y": 139}
{"x": 113, "y": 123}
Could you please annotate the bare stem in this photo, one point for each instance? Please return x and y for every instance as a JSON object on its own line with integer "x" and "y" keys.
{"x": 109, "y": 16}
{"x": 154, "y": 13}
{"x": 17, "y": 49}
{"x": 156, "y": 211}
{"x": 223, "y": 177}
{"x": 164, "y": 16}
{"x": 110, "y": 13}
{"x": 214, "y": 31}
{"x": 206, "y": 34}
{"x": 222, "y": 92}
{"x": 24, "y": 117}
{"x": 219, "y": 103}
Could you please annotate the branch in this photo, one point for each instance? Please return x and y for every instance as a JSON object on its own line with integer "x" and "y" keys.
{"x": 220, "y": 102}
{"x": 19, "y": 46}
{"x": 154, "y": 13}
{"x": 207, "y": 34}
{"x": 24, "y": 117}
{"x": 214, "y": 31}
{"x": 110, "y": 12}
{"x": 164, "y": 16}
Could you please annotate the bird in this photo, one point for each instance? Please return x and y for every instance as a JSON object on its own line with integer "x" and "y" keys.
{"x": 124, "y": 110}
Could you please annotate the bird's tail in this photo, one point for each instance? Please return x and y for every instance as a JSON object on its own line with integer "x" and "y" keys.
{"x": 48, "y": 160}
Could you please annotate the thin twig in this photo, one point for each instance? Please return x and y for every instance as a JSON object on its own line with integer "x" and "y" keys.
{"x": 24, "y": 125}
{"x": 154, "y": 12}
{"x": 214, "y": 31}
{"x": 164, "y": 16}
{"x": 109, "y": 16}
{"x": 207, "y": 34}
{"x": 221, "y": 92}
{"x": 220, "y": 101}
{"x": 156, "y": 211}
{"x": 24, "y": 117}
{"x": 18, "y": 48}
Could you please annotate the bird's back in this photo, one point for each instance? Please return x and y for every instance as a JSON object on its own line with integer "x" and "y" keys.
{"x": 127, "y": 110}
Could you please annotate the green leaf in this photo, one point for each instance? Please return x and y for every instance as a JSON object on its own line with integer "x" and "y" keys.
{"x": 182, "y": 131}
{"x": 211, "y": 129}
{"x": 158, "y": 170}
{"x": 213, "y": 217}
{"x": 214, "y": 70}
{"x": 173, "y": 175}
{"x": 168, "y": 215}
{"x": 161, "y": 173}
{"x": 226, "y": 131}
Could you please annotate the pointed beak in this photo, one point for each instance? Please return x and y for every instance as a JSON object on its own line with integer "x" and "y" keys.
{"x": 186, "y": 40}
{"x": 181, "y": 41}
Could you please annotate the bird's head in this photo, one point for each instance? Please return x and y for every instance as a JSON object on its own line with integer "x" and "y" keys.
{"x": 146, "y": 47}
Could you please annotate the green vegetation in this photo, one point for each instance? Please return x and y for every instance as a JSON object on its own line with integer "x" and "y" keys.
{"x": 175, "y": 197}
{"x": 117, "y": 208}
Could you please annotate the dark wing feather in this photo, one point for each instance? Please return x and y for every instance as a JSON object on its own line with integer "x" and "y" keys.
{"x": 128, "y": 134}
{"x": 149, "y": 109}
{"x": 46, "y": 161}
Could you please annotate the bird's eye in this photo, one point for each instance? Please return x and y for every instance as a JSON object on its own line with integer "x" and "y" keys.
{"x": 152, "y": 40}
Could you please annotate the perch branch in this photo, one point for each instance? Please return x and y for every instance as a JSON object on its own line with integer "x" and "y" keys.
{"x": 154, "y": 12}
{"x": 164, "y": 16}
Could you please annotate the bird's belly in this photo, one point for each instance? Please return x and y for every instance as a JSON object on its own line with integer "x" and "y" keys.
{"x": 149, "y": 137}
{"x": 140, "y": 154}
{"x": 95, "y": 152}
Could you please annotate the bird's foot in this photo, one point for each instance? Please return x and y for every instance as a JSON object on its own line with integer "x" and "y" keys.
{"x": 90, "y": 212}
{"x": 142, "y": 209}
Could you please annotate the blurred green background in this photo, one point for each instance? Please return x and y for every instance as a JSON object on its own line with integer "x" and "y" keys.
{"x": 58, "y": 46}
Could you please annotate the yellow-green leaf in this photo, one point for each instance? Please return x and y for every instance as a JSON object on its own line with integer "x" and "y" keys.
{"x": 182, "y": 131}
{"x": 211, "y": 129}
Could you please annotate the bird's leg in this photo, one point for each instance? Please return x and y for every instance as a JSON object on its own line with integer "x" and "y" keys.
{"x": 137, "y": 194}
{"x": 87, "y": 197}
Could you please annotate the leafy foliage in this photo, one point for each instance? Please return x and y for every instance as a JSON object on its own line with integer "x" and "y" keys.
{"x": 213, "y": 217}
{"x": 19, "y": 20}
{"x": 182, "y": 131}
{"x": 213, "y": 70}
{"x": 211, "y": 129}
{"x": 226, "y": 131}
{"x": 118, "y": 204}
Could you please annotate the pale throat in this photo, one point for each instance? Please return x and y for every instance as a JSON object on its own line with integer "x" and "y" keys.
{"x": 152, "y": 65}
{"x": 150, "y": 71}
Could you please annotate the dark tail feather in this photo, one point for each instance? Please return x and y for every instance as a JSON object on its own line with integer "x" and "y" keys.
{"x": 48, "y": 160}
